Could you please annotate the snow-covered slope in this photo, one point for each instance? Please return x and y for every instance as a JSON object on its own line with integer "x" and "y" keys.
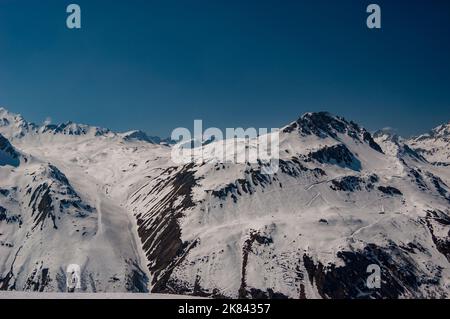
{"x": 46, "y": 225}
{"x": 340, "y": 201}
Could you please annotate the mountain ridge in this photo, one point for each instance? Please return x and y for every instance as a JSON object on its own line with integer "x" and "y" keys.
{"x": 15, "y": 126}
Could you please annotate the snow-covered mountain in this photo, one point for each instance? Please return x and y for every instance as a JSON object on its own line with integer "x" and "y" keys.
{"x": 134, "y": 220}
{"x": 137, "y": 135}
{"x": 435, "y": 145}
{"x": 395, "y": 145}
{"x": 48, "y": 222}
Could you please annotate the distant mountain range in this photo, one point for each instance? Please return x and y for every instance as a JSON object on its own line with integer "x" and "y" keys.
{"x": 117, "y": 206}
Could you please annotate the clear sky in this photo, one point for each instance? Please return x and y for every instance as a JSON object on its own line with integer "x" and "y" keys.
{"x": 157, "y": 65}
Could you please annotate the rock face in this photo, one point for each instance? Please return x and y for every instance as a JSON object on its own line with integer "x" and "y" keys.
{"x": 341, "y": 202}
{"x": 8, "y": 155}
{"x": 337, "y": 154}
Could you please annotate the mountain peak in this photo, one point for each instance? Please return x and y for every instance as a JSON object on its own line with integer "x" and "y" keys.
{"x": 394, "y": 145}
{"x": 441, "y": 132}
{"x": 387, "y": 134}
{"x": 4, "y": 113}
{"x": 14, "y": 125}
{"x": 136, "y": 135}
{"x": 434, "y": 145}
{"x": 325, "y": 124}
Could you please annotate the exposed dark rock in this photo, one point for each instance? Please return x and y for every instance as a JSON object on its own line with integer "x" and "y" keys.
{"x": 253, "y": 178}
{"x": 56, "y": 174}
{"x": 439, "y": 185}
{"x": 347, "y": 184}
{"x": 254, "y": 236}
{"x": 6, "y": 147}
{"x": 136, "y": 279}
{"x": 268, "y": 294}
{"x": 42, "y": 206}
{"x": 354, "y": 183}
{"x": 198, "y": 291}
{"x": 38, "y": 280}
{"x": 389, "y": 190}
{"x": 417, "y": 177}
{"x": 406, "y": 150}
{"x": 295, "y": 168}
{"x": 337, "y": 155}
{"x": 349, "y": 281}
{"x": 442, "y": 220}
{"x": 10, "y": 219}
{"x": 368, "y": 138}
{"x": 4, "y": 121}
{"x": 8, "y": 281}
{"x": 444, "y": 164}
{"x": 158, "y": 227}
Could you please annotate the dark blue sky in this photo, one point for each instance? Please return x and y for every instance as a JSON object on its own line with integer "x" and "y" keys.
{"x": 156, "y": 65}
